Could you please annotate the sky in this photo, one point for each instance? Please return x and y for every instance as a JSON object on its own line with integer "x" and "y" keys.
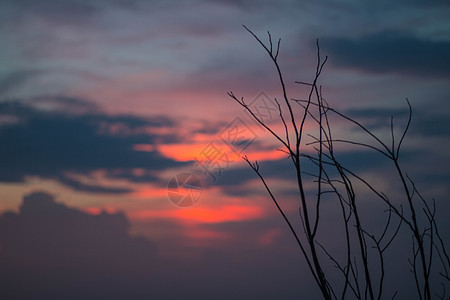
{"x": 106, "y": 106}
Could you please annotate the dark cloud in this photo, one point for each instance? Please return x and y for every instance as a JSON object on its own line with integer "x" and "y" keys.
{"x": 209, "y": 127}
{"x": 64, "y": 104}
{"x": 51, "y": 144}
{"x": 391, "y": 52}
{"x": 15, "y": 79}
{"x": 427, "y": 125}
{"x": 240, "y": 4}
{"x": 376, "y": 112}
{"x": 427, "y": 122}
{"x": 92, "y": 188}
{"x": 282, "y": 169}
{"x": 71, "y": 12}
{"x": 379, "y": 118}
{"x": 234, "y": 182}
{"x": 65, "y": 11}
{"x": 437, "y": 3}
{"x": 51, "y": 251}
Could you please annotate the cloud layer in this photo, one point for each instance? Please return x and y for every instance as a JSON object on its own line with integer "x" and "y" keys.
{"x": 56, "y": 143}
{"x": 58, "y": 252}
{"x": 391, "y": 52}
{"x": 52, "y": 251}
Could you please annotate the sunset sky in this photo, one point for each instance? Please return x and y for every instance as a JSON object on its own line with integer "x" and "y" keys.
{"x": 103, "y": 102}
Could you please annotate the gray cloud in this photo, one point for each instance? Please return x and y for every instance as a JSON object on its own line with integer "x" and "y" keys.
{"x": 391, "y": 52}
{"x": 427, "y": 122}
{"x": 15, "y": 79}
{"x": 59, "y": 252}
{"x": 50, "y": 144}
{"x": 52, "y": 251}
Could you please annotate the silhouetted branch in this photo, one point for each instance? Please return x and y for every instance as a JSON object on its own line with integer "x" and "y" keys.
{"x": 333, "y": 179}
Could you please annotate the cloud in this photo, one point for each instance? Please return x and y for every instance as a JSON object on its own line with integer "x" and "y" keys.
{"x": 53, "y": 143}
{"x": 49, "y": 250}
{"x": 391, "y": 52}
{"x": 15, "y": 79}
{"x": 240, "y": 4}
{"x": 67, "y": 11}
{"x": 89, "y": 188}
{"x": 52, "y": 251}
{"x": 63, "y": 105}
{"x": 429, "y": 121}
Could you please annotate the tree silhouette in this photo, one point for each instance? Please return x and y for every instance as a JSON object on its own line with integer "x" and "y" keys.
{"x": 362, "y": 266}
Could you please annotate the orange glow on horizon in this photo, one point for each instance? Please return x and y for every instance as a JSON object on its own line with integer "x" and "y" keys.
{"x": 191, "y": 152}
{"x": 182, "y": 152}
{"x": 203, "y": 215}
{"x": 99, "y": 210}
